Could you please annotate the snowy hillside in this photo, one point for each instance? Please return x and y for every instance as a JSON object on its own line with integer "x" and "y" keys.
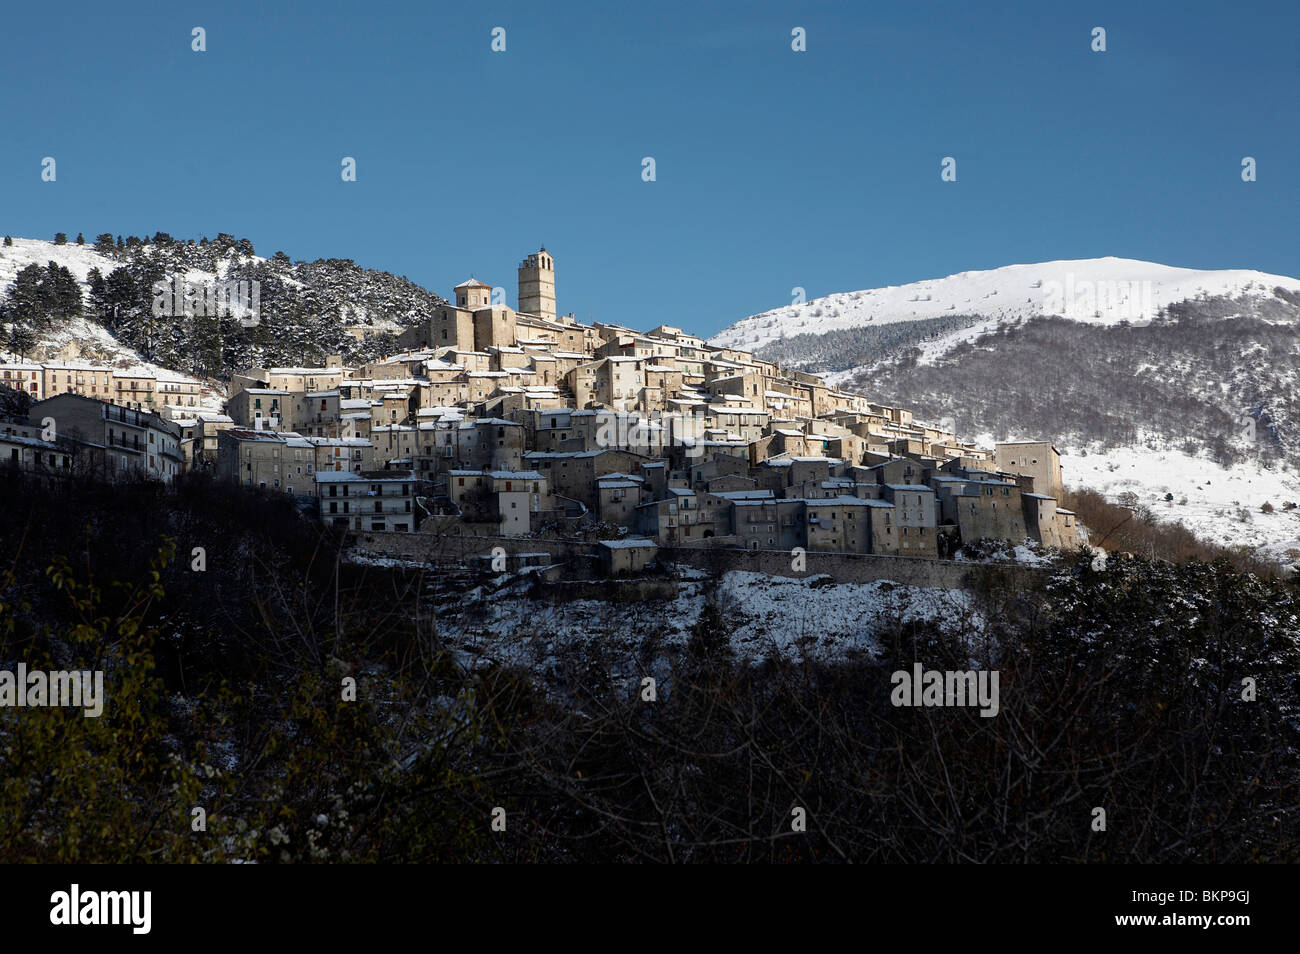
{"x": 83, "y": 338}
{"x": 1099, "y": 291}
{"x": 1244, "y": 505}
{"x": 78, "y": 259}
{"x": 306, "y": 310}
{"x": 92, "y": 339}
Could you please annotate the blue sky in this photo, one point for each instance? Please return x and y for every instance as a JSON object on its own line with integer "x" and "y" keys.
{"x": 774, "y": 168}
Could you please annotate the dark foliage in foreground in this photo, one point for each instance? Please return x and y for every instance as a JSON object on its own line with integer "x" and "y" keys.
{"x": 1120, "y": 689}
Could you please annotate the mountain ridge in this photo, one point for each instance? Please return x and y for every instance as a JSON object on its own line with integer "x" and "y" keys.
{"x": 1008, "y": 293}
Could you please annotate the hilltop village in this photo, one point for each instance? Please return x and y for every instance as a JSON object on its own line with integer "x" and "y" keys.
{"x": 523, "y": 423}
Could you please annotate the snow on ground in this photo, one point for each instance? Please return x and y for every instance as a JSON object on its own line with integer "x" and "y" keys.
{"x": 812, "y": 617}
{"x": 816, "y": 616}
{"x": 1028, "y": 553}
{"x": 1222, "y": 505}
{"x": 1098, "y": 290}
{"x": 364, "y": 558}
{"x": 77, "y": 259}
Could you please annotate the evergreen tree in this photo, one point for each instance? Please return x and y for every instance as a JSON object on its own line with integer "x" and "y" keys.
{"x": 20, "y": 339}
{"x": 119, "y": 298}
{"x": 60, "y": 238}
{"x": 104, "y": 243}
{"x": 81, "y": 239}
{"x": 61, "y": 292}
{"x": 26, "y": 297}
{"x": 8, "y": 241}
{"x": 98, "y": 290}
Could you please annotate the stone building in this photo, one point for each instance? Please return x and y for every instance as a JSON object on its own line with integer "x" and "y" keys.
{"x": 1036, "y": 459}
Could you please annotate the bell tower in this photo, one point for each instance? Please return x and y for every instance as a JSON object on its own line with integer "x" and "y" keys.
{"x": 537, "y": 285}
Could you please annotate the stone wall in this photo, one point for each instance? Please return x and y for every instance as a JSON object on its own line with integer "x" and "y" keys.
{"x": 843, "y": 567}
{"x": 458, "y": 548}
{"x": 858, "y": 567}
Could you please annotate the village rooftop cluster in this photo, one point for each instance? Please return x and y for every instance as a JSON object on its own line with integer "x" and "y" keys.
{"x": 522, "y": 422}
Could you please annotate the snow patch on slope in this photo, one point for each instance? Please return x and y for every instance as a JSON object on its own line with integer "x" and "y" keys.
{"x": 79, "y": 260}
{"x": 794, "y": 618}
{"x": 1222, "y": 504}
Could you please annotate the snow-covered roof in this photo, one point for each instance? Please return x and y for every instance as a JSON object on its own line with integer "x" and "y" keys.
{"x": 347, "y": 476}
{"x": 500, "y": 474}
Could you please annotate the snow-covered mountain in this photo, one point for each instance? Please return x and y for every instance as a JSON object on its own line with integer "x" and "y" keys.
{"x": 1098, "y": 291}
{"x": 1154, "y": 381}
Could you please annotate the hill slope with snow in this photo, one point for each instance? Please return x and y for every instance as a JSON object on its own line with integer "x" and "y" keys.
{"x": 1098, "y": 291}
{"x": 306, "y": 309}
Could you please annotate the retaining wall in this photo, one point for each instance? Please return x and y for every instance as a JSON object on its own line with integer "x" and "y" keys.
{"x": 843, "y": 567}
